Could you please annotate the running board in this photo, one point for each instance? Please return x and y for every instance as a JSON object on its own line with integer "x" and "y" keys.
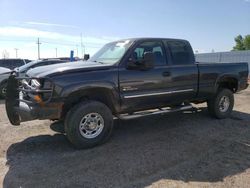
{"x": 153, "y": 112}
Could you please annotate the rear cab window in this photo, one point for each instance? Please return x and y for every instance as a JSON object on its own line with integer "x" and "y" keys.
{"x": 11, "y": 63}
{"x": 17, "y": 63}
{"x": 180, "y": 51}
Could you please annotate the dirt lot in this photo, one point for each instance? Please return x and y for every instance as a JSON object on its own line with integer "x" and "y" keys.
{"x": 176, "y": 150}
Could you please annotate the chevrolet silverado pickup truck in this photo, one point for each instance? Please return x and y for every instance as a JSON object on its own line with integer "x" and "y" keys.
{"x": 125, "y": 79}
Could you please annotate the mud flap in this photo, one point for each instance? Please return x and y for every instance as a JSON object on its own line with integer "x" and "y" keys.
{"x": 11, "y": 100}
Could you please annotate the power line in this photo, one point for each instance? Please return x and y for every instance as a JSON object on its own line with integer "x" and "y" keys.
{"x": 88, "y": 44}
{"x": 17, "y": 40}
{"x": 73, "y": 45}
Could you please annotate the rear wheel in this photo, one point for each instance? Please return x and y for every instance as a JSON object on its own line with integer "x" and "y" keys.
{"x": 88, "y": 124}
{"x": 221, "y": 105}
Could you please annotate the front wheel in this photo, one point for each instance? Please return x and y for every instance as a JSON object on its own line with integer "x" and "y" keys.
{"x": 3, "y": 90}
{"x": 221, "y": 105}
{"x": 88, "y": 124}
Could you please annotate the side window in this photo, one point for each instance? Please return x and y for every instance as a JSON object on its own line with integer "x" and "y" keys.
{"x": 48, "y": 63}
{"x": 5, "y": 64}
{"x": 17, "y": 63}
{"x": 155, "y": 47}
{"x": 181, "y": 52}
{"x": 39, "y": 64}
{"x": 53, "y": 62}
{"x": 12, "y": 64}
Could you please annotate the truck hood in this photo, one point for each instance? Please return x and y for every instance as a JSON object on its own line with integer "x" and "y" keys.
{"x": 4, "y": 70}
{"x": 62, "y": 68}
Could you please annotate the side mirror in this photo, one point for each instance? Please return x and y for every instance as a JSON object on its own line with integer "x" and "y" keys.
{"x": 86, "y": 57}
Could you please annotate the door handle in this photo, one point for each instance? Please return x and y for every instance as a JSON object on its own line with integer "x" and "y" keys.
{"x": 166, "y": 74}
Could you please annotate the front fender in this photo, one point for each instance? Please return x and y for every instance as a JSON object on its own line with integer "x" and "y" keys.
{"x": 100, "y": 88}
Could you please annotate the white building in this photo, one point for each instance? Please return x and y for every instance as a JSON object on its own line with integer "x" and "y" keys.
{"x": 225, "y": 57}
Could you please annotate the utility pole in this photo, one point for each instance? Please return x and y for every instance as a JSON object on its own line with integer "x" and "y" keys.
{"x": 77, "y": 51}
{"x": 16, "y": 49}
{"x": 56, "y": 52}
{"x": 83, "y": 52}
{"x": 38, "y": 47}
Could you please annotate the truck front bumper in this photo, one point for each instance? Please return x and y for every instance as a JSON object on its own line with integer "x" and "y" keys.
{"x": 20, "y": 110}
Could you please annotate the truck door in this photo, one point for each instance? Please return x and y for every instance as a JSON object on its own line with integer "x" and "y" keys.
{"x": 141, "y": 89}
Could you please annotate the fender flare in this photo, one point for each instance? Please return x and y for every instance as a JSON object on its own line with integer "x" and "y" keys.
{"x": 79, "y": 90}
{"x": 226, "y": 77}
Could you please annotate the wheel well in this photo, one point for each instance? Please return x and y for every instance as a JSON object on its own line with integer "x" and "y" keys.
{"x": 101, "y": 95}
{"x": 229, "y": 83}
{"x": 4, "y": 81}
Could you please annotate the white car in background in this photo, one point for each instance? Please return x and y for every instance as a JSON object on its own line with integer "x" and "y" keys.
{"x": 4, "y": 75}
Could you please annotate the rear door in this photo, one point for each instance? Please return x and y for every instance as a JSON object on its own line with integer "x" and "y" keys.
{"x": 184, "y": 71}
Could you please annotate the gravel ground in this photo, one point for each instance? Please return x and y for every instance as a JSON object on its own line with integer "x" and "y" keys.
{"x": 188, "y": 149}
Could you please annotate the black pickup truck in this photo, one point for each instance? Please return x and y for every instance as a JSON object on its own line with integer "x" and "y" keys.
{"x": 124, "y": 79}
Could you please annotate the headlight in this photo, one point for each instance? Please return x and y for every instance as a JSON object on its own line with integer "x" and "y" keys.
{"x": 38, "y": 90}
{"x": 35, "y": 84}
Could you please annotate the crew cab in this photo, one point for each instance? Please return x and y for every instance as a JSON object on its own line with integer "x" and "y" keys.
{"x": 125, "y": 79}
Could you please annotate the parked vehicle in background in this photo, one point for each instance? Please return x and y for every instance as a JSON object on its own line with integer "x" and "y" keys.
{"x": 123, "y": 80}
{"x": 4, "y": 75}
{"x": 61, "y": 58}
{"x": 13, "y": 63}
{"x": 23, "y": 69}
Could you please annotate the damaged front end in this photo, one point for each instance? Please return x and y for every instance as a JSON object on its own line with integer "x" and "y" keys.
{"x": 29, "y": 99}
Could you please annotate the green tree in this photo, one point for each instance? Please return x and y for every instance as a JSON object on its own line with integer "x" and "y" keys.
{"x": 239, "y": 40}
{"x": 242, "y": 43}
{"x": 247, "y": 42}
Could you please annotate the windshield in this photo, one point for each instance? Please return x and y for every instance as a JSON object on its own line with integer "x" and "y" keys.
{"x": 27, "y": 66}
{"x": 111, "y": 52}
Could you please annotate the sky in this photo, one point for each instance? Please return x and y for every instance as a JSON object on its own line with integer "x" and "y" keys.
{"x": 209, "y": 25}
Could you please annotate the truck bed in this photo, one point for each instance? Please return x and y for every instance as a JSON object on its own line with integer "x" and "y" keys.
{"x": 211, "y": 73}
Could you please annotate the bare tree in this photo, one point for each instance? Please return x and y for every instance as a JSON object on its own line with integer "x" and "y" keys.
{"x": 5, "y": 54}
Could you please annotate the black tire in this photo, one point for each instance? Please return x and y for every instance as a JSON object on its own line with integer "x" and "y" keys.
{"x": 79, "y": 112}
{"x": 3, "y": 87}
{"x": 218, "y": 110}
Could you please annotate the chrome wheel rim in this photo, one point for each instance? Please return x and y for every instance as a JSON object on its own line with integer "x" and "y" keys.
{"x": 91, "y": 125}
{"x": 4, "y": 90}
{"x": 224, "y": 103}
